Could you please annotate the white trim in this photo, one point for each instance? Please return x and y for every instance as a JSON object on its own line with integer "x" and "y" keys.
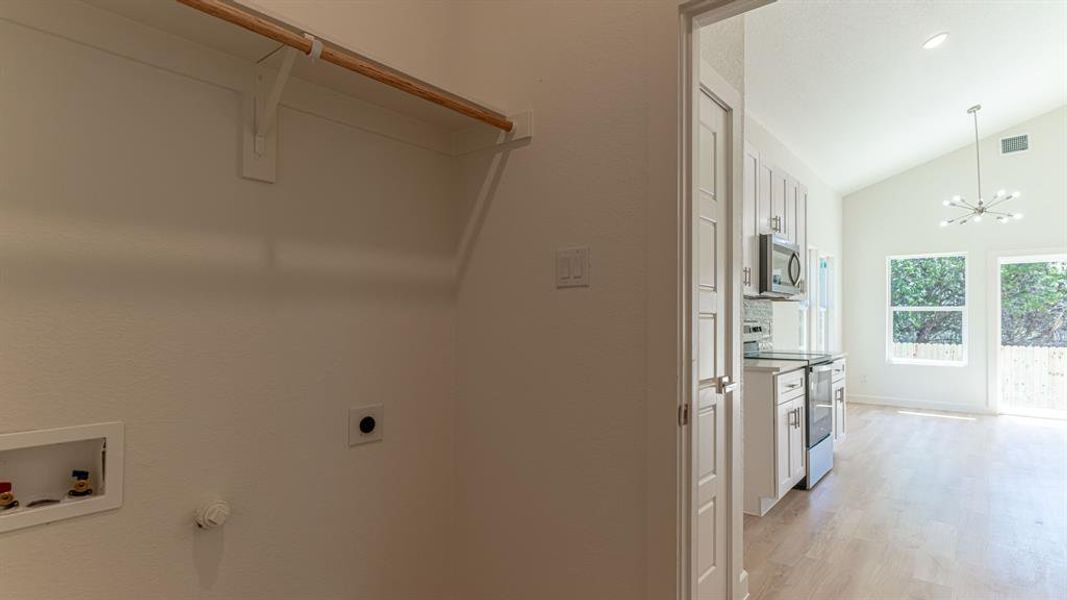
{"x": 996, "y": 259}
{"x": 891, "y": 310}
{"x": 975, "y": 409}
{"x": 693, "y": 15}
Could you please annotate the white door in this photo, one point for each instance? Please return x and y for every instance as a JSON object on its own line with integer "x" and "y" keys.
{"x": 708, "y": 493}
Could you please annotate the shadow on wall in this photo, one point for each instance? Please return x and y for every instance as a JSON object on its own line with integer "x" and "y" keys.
{"x": 208, "y": 548}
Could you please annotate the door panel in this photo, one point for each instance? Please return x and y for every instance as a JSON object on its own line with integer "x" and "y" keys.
{"x": 749, "y": 225}
{"x": 708, "y": 544}
{"x": 783, "y": 445}
{"x": 790, "y": 213}
{"x": 764, "y": 187}
{"x": 778, "y": 201}
{"x": 798, "y": 451}
{"x": 839, "y": 410}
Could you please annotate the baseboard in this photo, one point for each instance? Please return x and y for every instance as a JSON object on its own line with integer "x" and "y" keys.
{"x": 971, "y": 409}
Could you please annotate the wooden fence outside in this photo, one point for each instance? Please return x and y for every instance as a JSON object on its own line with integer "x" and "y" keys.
{"x": 1030, "y": 376}
{"x": 1033, "y": 377}
{"x": 946, "y": 352}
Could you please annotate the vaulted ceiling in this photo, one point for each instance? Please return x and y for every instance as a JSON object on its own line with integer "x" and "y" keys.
{"x": 848, "y": 87}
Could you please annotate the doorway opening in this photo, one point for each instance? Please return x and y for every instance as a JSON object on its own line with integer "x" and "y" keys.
{"x": 1030, "y": 342}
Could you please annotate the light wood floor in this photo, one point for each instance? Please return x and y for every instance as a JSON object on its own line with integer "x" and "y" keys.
{"x": 922, "y": 507}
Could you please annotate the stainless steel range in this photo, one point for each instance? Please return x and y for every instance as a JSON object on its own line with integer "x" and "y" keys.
{"x": 820, "y": 405}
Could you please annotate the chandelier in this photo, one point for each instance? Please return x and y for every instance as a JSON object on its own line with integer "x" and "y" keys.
{"x": 981, "y": 208}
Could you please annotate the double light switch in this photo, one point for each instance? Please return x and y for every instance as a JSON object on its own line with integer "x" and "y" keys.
{"x": 572, "y": 267}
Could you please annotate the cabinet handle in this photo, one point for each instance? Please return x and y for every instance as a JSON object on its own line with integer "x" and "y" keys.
{"x": 776, "y": 224}
{"x": 747, "y": 279}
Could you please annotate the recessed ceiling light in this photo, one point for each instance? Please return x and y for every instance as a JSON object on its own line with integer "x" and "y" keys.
{"x": 935, "y": 41}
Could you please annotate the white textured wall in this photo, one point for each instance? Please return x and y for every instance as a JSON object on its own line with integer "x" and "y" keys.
{"x": 564, "y": 484}
{"x": 553, "y": 412}
{"x": 229, "y": 324}
{"x": 900, "y": 216}
{"x": 719, "y": 43}
{"x": 824, "y": 227}
{"x": 566, "y": 410}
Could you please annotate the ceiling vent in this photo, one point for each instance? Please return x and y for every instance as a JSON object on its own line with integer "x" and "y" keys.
{"x": 1017, "y": 143}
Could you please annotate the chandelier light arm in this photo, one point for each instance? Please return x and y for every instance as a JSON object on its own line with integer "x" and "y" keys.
{"x": 980, "y": 208}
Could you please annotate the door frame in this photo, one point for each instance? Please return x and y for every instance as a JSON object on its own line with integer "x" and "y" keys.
{"x": 693, "y": 16}
{"x": 993, "y": 316}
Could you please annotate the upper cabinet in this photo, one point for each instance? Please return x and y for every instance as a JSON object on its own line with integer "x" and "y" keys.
{"x": 750, "y": 222}
{"x": 776, "y": 203}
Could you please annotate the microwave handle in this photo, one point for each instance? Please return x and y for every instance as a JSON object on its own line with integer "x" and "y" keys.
{"x": 794, "y": 272}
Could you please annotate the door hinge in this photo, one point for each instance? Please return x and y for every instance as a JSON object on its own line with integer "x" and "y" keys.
{"x": 683, "y": 415}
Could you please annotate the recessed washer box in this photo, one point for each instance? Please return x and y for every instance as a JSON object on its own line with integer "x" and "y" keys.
{"x": 39, "y": 465}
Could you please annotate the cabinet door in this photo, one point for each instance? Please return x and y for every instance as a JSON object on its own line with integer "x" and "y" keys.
{"x": 783, "y": 445}
{"x": 749, "y": 223}
{"x": 800, "y": 228}
{"x": 798, "y": 450}
{"x": 779, "y": 182}
{"x": 764, "y": 185}
{"x": 839, "y": 410}
{"x": 789, "y": 215}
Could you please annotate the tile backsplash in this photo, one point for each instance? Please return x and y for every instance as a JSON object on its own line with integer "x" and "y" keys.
{"x": 759, "y": 311}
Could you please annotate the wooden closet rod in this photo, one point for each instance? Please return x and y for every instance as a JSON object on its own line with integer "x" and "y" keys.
{"x": 349, "y": 60}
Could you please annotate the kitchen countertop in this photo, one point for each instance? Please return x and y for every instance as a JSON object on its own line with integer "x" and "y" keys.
{"x": 777, "y": 367}
{"x": 773, "y": 366}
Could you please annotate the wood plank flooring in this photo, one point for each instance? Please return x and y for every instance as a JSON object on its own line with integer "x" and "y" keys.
{"x": 922, "y": 507}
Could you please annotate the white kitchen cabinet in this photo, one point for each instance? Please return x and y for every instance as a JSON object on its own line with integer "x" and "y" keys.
{"x": 773, "y": 201}
{"x": 791, "y": 451}
{"x": 783, "y": 447}
{"x": 789, "y": 210}
{"x": 798, "y": 448}
{"x": 838, "y": 395}
{"x": 749, "y": 222}
{"x": 779, "y": 185}
{"x": 800, "y": 227}
{"x": 774, "y": 435}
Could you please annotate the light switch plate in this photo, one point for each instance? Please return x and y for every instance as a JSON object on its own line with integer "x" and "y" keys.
{"x": 572, "y": 267}
{"x": 376, "y": 415}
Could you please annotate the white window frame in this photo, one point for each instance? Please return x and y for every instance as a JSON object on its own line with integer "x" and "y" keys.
{"x": 892, "y": 310}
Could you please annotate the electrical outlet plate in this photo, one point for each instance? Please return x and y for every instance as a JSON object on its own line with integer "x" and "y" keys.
{"x": 356, "y": 416}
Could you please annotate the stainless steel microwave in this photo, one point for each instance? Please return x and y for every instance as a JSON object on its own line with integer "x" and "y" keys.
{"x": 780, "y": 267}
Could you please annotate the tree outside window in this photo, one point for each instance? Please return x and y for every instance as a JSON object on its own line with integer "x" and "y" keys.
{"x": 927, "y": 309}
{"x": 1033, "y": 304}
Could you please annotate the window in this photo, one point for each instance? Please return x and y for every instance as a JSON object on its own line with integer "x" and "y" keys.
{"x": 927, "y": 309}
{"x": 824, "y": 307}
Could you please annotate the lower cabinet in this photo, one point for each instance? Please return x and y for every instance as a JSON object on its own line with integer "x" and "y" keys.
{"x": 790, "y": 448}
{"x": 838, "y": 395}
{"x": 783, "y": 447}
{"x": 839, "y": 410}
{"x": 798, "y": 447}
{"x": 775, "y": 445}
